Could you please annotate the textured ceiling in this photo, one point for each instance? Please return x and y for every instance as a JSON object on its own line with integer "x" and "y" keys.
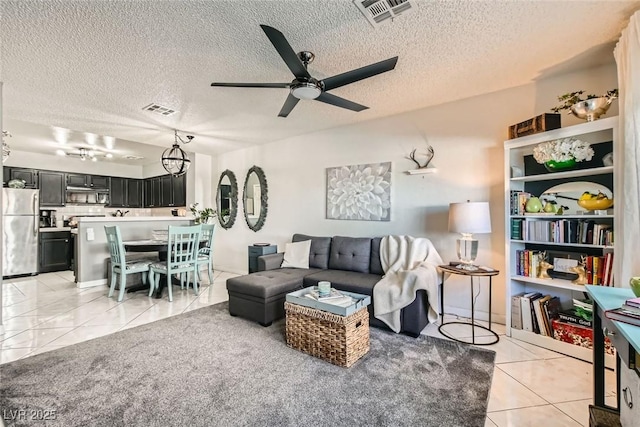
{"x": 91, "y": 66}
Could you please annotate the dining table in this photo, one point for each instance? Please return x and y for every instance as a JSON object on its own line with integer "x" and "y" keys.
{"x": 152, "y": 245}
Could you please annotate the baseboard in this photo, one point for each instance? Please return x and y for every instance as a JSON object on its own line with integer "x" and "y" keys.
{"x": 91, "y": 283}
{"x": 479, "y": 315}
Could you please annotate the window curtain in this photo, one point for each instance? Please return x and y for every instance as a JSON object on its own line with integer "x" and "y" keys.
{"x": 627, "y": 155}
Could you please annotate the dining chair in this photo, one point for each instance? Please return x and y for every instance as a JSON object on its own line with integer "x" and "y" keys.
{"x": 182, "y": 253}
{"x": 205, "y": 253}
{"x": 119, "y": 264}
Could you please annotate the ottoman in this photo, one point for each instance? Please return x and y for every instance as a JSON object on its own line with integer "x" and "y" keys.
{"x": 260, "y": 296}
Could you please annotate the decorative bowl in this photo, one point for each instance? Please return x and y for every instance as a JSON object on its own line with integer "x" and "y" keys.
{"x": 596, "y": 204}
{"x": 591, "y": 109}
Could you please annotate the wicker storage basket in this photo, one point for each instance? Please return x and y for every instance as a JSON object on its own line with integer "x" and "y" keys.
{"x": 340, "y": 340}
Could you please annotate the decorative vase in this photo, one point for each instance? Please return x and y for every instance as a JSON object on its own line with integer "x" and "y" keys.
{"x": 553, "y": 166}
{"x": 533, "y": 205}
{"x": 634, "y": 283}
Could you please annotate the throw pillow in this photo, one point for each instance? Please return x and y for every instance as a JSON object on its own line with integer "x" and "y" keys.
{"x": 296, "y": 255}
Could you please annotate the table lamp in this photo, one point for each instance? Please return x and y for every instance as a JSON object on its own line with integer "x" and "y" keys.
{"x": 468, "y": 218}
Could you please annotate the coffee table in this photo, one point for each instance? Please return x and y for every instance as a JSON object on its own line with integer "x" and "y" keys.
{"x": 338, "y": 335}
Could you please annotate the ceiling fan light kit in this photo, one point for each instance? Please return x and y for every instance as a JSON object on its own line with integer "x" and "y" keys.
{"x": 303, "y": 86}
{"x": 175, "y": 160}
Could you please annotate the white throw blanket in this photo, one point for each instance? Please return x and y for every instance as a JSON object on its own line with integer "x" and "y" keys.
{"x": 410, "y": 263}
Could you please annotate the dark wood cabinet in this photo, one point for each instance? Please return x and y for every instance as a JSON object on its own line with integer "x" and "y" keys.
{"x": 52, "y": 188}
{"x": 165, "y": 191}
{"x": 87, "y": 181}
{"x": 55, "y": 251}
{"x": 125, "y": 193}
{"x": 178, "y": 186}
{"x": 77, "y": 180}
{"x": 29, "y": 176}
{"x": 134, "y": 193}
{"x": 152, "y": 192}
{"x": 118, "y": 192}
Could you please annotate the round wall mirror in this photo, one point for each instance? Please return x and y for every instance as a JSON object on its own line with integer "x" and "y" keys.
{"x": 255, "y": 198}
{"x": 227, "y": 199}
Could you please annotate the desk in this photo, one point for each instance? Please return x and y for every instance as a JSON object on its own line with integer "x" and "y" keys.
{"x": 624, "y": 337}
{"x": 471, "y": 273}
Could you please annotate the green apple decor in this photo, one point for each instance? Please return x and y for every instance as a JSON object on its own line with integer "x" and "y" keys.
{"x": 634, "y": 282}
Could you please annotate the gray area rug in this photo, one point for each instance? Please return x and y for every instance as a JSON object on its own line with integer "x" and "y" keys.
{"x": 206, "y": 368}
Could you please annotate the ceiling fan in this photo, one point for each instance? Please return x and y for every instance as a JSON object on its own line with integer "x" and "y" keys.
{"x": 306, "y": 87}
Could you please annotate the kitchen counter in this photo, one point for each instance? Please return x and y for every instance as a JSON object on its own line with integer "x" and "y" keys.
{"x": 52, "y": 229}
{"x": 92, "y": 251}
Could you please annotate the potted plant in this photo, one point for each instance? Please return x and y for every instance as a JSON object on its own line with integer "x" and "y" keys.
{"x": 562, "y": 153}
{"x": 590, "y": 108}
{"x": 202, "y": 216}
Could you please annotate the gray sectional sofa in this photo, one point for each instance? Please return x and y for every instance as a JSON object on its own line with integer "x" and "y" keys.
{"x": 351, "y": 264}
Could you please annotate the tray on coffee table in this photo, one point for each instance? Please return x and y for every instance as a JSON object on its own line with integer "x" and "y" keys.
{"x": 360, "y": 301}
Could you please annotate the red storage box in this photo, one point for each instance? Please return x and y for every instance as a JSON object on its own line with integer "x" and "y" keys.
{"x": 577, "y": 335}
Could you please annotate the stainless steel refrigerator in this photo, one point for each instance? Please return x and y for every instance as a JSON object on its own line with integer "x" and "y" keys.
{"x": 20, "y": 228}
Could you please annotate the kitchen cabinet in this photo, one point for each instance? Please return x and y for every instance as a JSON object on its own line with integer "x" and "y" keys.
{"x": 52, "y": 188}
{"x": 55, "y": 251}
{"x": 87, "y": 181}
{"x": 134, "y": 193}
{"x": 29, "y": 176}
{"x": 165, "y": 191}
{"x": 125, "y": 193}
{"x": 152, "y": 192}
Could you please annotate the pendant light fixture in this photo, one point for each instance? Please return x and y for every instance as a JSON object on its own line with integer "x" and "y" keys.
{"x": 175, "y": 160}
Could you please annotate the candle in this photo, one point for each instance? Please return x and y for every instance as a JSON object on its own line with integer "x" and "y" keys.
{"x": 324, "y": 288}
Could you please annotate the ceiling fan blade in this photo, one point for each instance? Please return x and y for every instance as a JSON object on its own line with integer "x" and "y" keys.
{"x": 286, "y": 52}
{"x": 359, "y": 74}
{"x": 273, "y": 85}
{"x": 288, "y": 106}
{"x": 340, "y": 102}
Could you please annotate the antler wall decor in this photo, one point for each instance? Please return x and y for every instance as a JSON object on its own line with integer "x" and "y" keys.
{"x": 429, "y": 155}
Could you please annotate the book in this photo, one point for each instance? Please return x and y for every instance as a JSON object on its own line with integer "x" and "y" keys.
{"x": 551, "y": 309}
{"x": 516, "y": 316}
{"x": 570, "y": 316}
{"x": 537, "y": 308}
{"x": 334, "y": 294}
{"x": 525, "y": 310}
{"x": 624, "y": 316}
{"x": 634, "y": 302}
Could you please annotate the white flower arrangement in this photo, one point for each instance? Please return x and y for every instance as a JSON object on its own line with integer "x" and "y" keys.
{"x": 561, "y": 150}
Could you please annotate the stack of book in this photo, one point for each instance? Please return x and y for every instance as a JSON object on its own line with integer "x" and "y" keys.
{"x": 335, "y": 297}
{"x": 628, "y": 313}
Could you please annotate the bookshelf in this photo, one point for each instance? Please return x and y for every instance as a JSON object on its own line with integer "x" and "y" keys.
{"x": 556, "y": 234}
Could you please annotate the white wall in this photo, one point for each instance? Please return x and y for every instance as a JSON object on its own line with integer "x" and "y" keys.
{"x": 467, "y": 136}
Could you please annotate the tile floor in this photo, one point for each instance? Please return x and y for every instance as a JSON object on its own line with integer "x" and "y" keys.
{"x": 531, "y": 386}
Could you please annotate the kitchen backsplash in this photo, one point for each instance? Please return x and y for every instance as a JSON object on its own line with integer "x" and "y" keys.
{"x": 68, "y": 211}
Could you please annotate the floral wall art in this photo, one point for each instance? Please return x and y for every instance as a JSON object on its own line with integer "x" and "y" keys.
{"x": 360, "y": 192}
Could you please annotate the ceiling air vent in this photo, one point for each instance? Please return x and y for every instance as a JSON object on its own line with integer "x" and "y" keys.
{"x": 159, "y": 109}
{"x": 132, "y": 157}
{"x": 377, "y": 11}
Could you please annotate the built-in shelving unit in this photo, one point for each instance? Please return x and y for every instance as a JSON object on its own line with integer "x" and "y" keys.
{"x": 601, "y": 134}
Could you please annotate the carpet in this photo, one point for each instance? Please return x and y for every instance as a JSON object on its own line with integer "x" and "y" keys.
{"x": 206, "y": 368}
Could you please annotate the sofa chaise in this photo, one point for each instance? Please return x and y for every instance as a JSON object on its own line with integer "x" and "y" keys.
{"x": 351, "y": 264}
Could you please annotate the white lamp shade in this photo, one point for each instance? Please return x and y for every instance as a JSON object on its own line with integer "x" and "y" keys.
{"x": 469, "y": 217}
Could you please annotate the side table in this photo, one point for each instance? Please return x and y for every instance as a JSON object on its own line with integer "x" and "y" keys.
{"x": 471, "y": 273}
{"x": 256, "y": 251}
